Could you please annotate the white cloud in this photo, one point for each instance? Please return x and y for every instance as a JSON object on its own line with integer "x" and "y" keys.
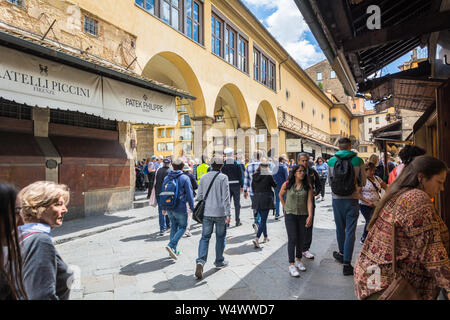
{"x": 287, "y": 25}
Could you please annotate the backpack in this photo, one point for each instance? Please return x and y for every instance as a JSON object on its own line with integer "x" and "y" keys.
{"x": 343, "y": 180}
{"x": 169, "y": 196}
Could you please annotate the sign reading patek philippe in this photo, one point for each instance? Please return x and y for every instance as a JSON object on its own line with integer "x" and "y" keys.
{"x": 136, "y": 104}
{"x": 35, "y": 81}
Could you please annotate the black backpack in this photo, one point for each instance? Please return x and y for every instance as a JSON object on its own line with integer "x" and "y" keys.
{"x": 343, "y": 181}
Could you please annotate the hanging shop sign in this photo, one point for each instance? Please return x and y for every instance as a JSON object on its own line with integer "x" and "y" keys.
{"x": 35, "y": 81}
{"x": 293, "y": 145}
{"x": 133, "y": 104}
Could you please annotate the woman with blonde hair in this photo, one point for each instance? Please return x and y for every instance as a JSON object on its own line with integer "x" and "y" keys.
{"x": 374, "y": 159}
{"x": 422, "y": 237}
{"x": 45, "y": 275}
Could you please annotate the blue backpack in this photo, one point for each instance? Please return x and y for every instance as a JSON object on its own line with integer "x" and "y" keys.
{"x": 169, "y": 196}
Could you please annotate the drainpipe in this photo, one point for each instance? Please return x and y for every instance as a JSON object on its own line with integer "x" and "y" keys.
{"x": 279, "y": 67}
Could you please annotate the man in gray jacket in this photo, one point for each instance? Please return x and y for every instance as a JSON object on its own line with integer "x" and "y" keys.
{"x": 217, "y": 212}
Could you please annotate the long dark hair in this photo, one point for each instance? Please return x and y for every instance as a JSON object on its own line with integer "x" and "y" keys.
{"x": 409, "y": 179}
{"x": 8, "y": 227}
{"x": 291, "y": 179}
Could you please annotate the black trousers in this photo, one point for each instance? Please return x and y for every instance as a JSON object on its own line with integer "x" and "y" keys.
{"x": 323, "y": 181}
{"x": 235, "y": 193}
{"x": 296, "y": 231}
{"x": 151, "y": 178}
{"x": 308, "y": 235}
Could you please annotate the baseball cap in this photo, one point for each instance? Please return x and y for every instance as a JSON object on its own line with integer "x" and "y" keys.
{"x": 166, "y": 160}
{"x": 228, "y": 151}
{"x": 153, "y": 157}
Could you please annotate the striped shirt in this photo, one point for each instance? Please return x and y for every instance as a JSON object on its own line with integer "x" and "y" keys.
{"x": 249, "y": 172}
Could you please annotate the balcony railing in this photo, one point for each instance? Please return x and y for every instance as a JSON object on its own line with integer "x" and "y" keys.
{"x": 294, "y": 124}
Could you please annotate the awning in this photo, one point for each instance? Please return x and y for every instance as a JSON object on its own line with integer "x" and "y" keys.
{"x": 35, "y": 81}
{"x": 321, "y": 143}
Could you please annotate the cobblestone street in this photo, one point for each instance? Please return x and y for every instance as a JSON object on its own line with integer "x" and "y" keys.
{"x": 130, "y": 262}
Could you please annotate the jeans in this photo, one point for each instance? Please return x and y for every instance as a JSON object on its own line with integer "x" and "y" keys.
{"x": 235, "y": 193}
{"x": 178, "y": 220}
{"x": 164, "y": 221}
{"x": 256, "y": 215}
{"x": 367, "y": 213}
{"x": 207, "y": 230}
{"x": 263, "y": 223}
{"x": 346, "y": 212}
{"x": 296, "y": 231}
{"x": 277, "y": 201}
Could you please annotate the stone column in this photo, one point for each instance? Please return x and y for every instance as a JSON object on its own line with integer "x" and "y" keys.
{"x": 203, "y": 137}
{"x": 126, "y": 135}
{"x": 41, "y": 119}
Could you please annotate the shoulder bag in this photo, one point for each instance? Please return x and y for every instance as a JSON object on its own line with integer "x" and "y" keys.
{"x": 399, "y": 289}
{"x": 199, "y": 209}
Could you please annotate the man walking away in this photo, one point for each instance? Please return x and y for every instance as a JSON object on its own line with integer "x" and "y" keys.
{"x": 280, "y": 175}
{"x": 315, "y": 183}
{"x": 347, "y": 176}
{"x": 249, "y": 172}
{"x": 217, "y": 213}
{"x": 164, "y": 221}
{"x": 233, "y": 170}
{"x": 175, "y": 195}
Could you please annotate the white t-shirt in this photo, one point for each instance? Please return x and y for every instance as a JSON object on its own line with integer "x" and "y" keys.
{"x": 369, "y": 192}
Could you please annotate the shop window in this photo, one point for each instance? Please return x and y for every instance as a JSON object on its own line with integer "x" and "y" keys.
{"x": 90, "y": 26}
{"x": 78, "y": 119}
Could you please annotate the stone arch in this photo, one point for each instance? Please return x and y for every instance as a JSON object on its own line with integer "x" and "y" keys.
{"x": 265, "y": 119}
{"x": 171, "y": 69}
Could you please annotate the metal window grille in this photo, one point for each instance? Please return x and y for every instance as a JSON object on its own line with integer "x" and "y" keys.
{"x": 10, "y": 109}
{"x": 90, "y": 26}
{"x": 79, "y": 119}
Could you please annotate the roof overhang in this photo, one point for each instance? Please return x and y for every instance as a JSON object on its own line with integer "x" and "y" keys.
{"x": 357, "y": 52}
{"x": 39, "y": 49}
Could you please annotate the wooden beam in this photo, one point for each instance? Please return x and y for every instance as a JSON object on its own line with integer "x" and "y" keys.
{"x": 417, "y": 27}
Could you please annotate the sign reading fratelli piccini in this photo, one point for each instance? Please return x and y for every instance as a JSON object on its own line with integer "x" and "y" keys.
{"x": 40, "y": 82}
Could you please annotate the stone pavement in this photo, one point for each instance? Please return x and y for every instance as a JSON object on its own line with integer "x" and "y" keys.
{"x": 120, "y": 256}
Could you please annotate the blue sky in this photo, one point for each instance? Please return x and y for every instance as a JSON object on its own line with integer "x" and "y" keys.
{"x": 284, "y": 21}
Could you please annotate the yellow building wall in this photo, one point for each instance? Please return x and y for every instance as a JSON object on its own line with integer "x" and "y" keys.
{"x": 342, "y": 124}
{"x": 203, "y": 74}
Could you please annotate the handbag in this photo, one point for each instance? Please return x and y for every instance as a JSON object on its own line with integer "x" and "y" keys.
{"x": 399, "y": 289}
{"x": 199, "y": 210}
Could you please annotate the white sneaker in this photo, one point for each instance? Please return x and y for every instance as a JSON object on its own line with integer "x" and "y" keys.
{"x": 299, "y": 265}
{"x": 308, "y": 255}
{"x": 293, "y": 271}
{"x": 256, "y": 243}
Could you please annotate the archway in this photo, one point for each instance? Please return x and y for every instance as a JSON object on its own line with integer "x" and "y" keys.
{"x": 230, "y": 103}
{"x": 267, "y": 130}
{"x": 171, "y": 69}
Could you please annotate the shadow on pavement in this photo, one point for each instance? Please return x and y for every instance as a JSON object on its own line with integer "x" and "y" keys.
{"x": 138, "y": 267}
{"x": 241, "y": 238}
{"x": 181, "y": 282}
{"x": 87, "y": 223}
{"x": 270, "y": 279}
{"x": 245, "y": 248}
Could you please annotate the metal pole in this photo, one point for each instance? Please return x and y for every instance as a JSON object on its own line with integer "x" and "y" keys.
{"x": 386, "y": 169}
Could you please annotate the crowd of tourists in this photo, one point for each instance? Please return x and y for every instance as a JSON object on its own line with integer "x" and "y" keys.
{"x": 403, "y": 234}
